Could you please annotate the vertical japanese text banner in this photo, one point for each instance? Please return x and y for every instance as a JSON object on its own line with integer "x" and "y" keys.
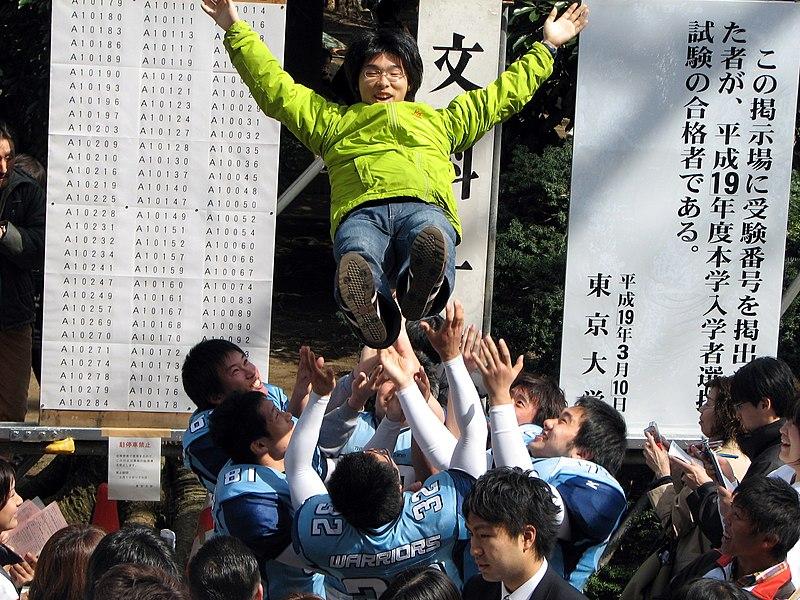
{"x": 161, "y": 201}
{"x": 680, "y": 185}
{"x": 460, "y": 50}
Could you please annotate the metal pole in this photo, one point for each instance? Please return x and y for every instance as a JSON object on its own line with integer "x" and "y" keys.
{"x": 790, "y": 294}
{"x": 488, "y": 287}
{"x": 299, "y": 184}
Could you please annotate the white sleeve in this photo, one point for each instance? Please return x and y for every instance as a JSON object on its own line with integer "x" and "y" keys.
{"x": 509, "y": 451}
{"x": 385, "y": 435}
{"x": 433, "y": 438}
{"x": 507, "y": 446}
{"x": 304, "y": 482}
{"x": 469, "y": 454}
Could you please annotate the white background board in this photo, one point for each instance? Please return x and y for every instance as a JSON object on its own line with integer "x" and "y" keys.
{"x": 691, "y": 286}
{"x": 161, "y": 201}
{"x": 445, "y": 25}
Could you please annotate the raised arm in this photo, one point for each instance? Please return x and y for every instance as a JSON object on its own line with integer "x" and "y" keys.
{"x": 304, "y": 482}
{"x": 499, "y": 372}
{"x": 304, "y": 112}
{"x": 469, "y": 454}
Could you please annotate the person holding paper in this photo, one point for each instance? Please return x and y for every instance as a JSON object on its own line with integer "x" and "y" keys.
{"x": 8, "y": 520}
{"x": 669, "y": 490}
{"x": 394, "y": 218}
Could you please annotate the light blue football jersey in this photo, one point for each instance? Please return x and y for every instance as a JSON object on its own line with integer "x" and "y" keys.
{"x": 429, "y": 530}
{"x": 595, "y": 503}
{"x": 362, "y": 434}
{"x": 252, "y": 503}
{"x": 201, "y": 455}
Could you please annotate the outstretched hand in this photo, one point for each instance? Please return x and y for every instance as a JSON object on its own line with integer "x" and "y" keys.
{"x": 223, "y": 12}
{"x": 364, "y": 386}
{"x": 323, "y": 379}
{"x": 498, "y": 370}
{"x": 447, "y": 339}
{"x": 398, "y": 370}
{"x": 567, "y": 26}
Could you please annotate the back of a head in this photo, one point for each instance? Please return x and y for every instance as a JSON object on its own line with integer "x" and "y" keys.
{"x": 728, "y": 425}
{"x": 61, "y": 567}
{"x": 545, "y": 391}
{"x": 602, "y": 433}
{"x": 223, "y": 569}
{"x": 421, "y": 583}
{"x": 200, "y": 370}
{"x": 710, "y": 589}
{"x": 236, "y": 424}
{"x": 129, "y": 581}
{"x": 773, "y": 508}
{"x": 134, "y": 544}
{"x": 510, "y": 498}
{"x": 384, "y": 41}
{"x": 365, "y": 490}
{"x": 766, "y": 377}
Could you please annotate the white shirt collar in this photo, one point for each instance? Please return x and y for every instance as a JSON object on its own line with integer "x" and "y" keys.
{"x": 524, "y": 591}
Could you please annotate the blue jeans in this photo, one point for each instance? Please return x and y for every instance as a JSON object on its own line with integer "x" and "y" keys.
{"x": 383, "y": 234}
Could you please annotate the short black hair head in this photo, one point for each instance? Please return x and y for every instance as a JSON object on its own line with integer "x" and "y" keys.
{"x": 130, "y": 544}
{"x": 139, "y": 582}
{"x": 384, "y": 41}
{"x": 711, "y": 589}
{"x": 766, "y": 377}
{"x": 510, "y": 498}
{"x": 223, "y": 569}
{"x": 365, "y": 490}
{"x": 545, "y": 392}
{"x": 236, "y": 423}
{"x": 200, "y": 371}
{"x": 602, "y": 434}
{"x": 421, "y": 583}
{"x": 773, "y": 508}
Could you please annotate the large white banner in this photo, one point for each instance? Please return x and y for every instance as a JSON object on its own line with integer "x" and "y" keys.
{"x": 161, "y": 201}
{"x": 460, "y": 50}
{"x": 683, "y": 149}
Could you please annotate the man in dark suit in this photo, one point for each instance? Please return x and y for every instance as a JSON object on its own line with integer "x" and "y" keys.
{"x": 513, "y": 522}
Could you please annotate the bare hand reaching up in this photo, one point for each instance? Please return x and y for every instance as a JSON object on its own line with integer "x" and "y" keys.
{"x": 222, "y": 11}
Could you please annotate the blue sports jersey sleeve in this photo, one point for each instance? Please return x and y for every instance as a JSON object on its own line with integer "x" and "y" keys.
{"x": 277, "y": 396}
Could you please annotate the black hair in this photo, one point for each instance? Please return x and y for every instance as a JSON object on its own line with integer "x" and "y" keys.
{"x": 365, "y": 490}
{"x": 6, "y": 133}
{"x": 384, "y": 41}
{"x": 130, "y": 544}
{"x": 510, "y": 498}
{"x": 200, "y": 371}
{"x": 31, "y": 167}
{"x": 421, "y": 583}
{"x": 765, "y": 377}
{"x": 711, "y": 589}
{"x": 773, "y": 508}
{"x": 223, "y": 569}
{"x": 139, "y": 582}
{"x": 236, "y": 423}
{"x": 7, "y": 478}
{"x": 602, "y": 433}
{"x": 544, "y": 391}
{"x": 729, "y": 428}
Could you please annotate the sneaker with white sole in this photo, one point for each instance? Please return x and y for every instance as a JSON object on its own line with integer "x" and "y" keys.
{"x": 425, "y": 273}
{"x": 360, "y": 300}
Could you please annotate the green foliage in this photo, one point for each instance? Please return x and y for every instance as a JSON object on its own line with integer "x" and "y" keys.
{"x": 531, "y": 254}
{"x": 25, "y": 72}
{"x": 789, "y": 339}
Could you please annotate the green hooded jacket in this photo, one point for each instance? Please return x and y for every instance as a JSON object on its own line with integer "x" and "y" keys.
{"x": 384, "y": 150}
